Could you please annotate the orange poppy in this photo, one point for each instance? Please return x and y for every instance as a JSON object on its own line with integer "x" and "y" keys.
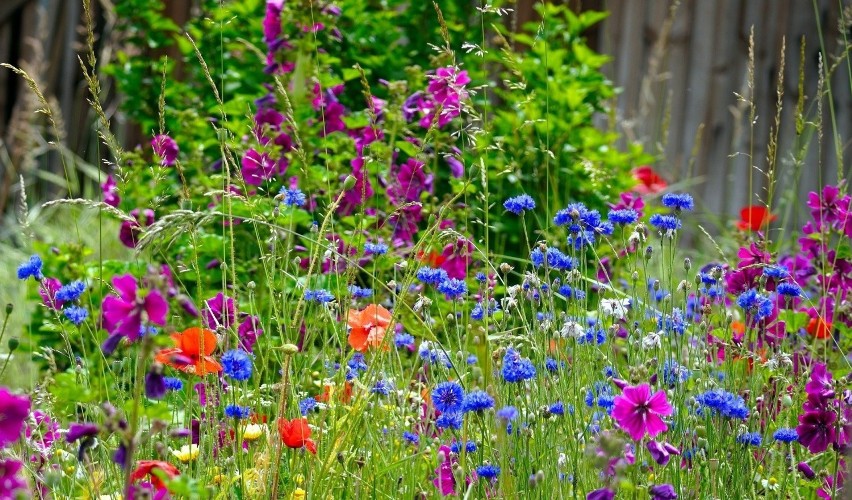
{"x": 192, "y": 352}
{"x": 650, "y": 181}
{"x": 819, "y": 328}
{"x": 738, "y": 327}
{"x": 433, "y": 259}
{"x": 754, "y": 218}
{"x": 367, "y": 327}
{"x": 296, "y": 433}
{"x": 146, "y": 467}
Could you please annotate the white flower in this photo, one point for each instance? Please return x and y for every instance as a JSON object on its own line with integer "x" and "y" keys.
{"x": 652, "y": 340}
{"x": 572, "y": 329}
{"x": 617, "y": 308}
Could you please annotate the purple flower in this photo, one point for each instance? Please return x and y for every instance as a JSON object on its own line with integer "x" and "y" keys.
{"x": 362, "y": 190}
{"x": 110, "y": 191}
{"x": 806, "y": 470}
{"x": 123, "y": 314}
{"x": 10, "y": 482}
{"x": 816, "y": 430}
{"x": 601, "y": 494}
{"x": 85, "y": 433}
{"x": 248, "y": 332}
{"x": 663, "y": 492}
{"x": 412, "y": 181}
{"x": 661, "y": 452}
{"x": 14, "y": 410}
{"x": 155, "y": 382}
{"x": 129, "y": 231}
{"x": 219, "y": 311}
{"x": 820, "y": 386}
{"x": 166, "y": 148}
{"x": 260, "y": 167}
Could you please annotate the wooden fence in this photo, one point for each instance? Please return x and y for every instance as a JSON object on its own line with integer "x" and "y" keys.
{"x": 679, "y": 79}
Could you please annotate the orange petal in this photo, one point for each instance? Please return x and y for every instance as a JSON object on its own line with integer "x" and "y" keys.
{"x": 376, "y": 315}
{"x": 207, "y": 365}
{"x": 198, "y": 342}
{"x": 358, "y": 338}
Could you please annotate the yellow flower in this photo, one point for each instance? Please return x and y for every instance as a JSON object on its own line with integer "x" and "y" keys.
{"x": 299, "y": 479}
{"x": 252, "y": 432}
{"x": 187, "y": 453}
{"x": 298, "y": 494}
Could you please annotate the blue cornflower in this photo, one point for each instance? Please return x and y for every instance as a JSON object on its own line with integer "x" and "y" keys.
{"x": 449, "y": 421}
{"x": 31, "y": 268}
{"x": 481, "y": 277}
{"x": 477, "y": 401}
{"x": 581, "y": 240}
{"x": 752, "y": 301}
{"x": 321, "y": 296}
{"x": 375, "y": 248}
{"x": 789, "y": 289}
{"x": 678, "y": 201}
{"x": 411, "y": 438}
{"x": 448, "y": 397}
{"x": 356, "y": 365}
{"x": 293, "y": 197}
{"x": 554, "y": 258}
{"x": 76, "y": 314}
{"x": 667, "y": 223}
{"x": 551, "y": 365}
{"x": 173, "y": 384}
{"x": 593, "y": 335}
{"x": 786, "y": 435}
{"x": 507, "y": 413}
{"x": 360, "y": 293}
{"x": 518, "y": 204}
{"x": 775, "y": 272}
{"x": 307, "y": 405}
{"x": 557, "y": 408}
{"x": 432, "y": 276}
{"x": 750, "y": 438}
{"x": 674, "y": 373}
{"x": 488, "y": 471}
{"x": 71, "y": 291}
{"x": 403, "y": 340}
{"x": 477, "y": 313}
{"x": 238, "y": 412}
{"x": 609, "y": 371}
{"x": 571, "y": 293}
{"x": 382, "y": 387}
{"x": 471, "y": 359}
{"x": 237, "y": 364}
{"x": 722, "y": 402}
{"x": 516, "y": 368}
{"x": 453, "y": 288}
{"x": 456, "y": 448}
{"x": 623, "y": 217}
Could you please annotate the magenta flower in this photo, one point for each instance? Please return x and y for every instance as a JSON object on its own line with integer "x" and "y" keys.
{"x": 601, "y": 494}
{"x": 14, "y": 410}
{"x": 124, "y": 314}
{"x": 661, "y": 452}
{"x": 445, "y": 482}
{"x": 272, "y": 20}
{"x": 166, "y": 148}
{"x": 361, "y": 191}
{"x": 131, "y": 230}
{"x": 49, "y": 287}
{"x": 248, "y": 332}
{"x": 10, "y": 482}
{"x": 260, "y": 167}
{"x": 219, "y": 311}
{"x": 110, "y": 191}
{"x": 457, "y": 258}
{"x": 820, "y": 387}
{"x": 637, "y": 411}
{"x": 816, "y": 430}
{"x": 828, "y": 207}
{"x": 411, "y": 182}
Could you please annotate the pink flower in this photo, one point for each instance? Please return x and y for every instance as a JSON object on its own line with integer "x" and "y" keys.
{"x": 110, "y": 190}
{"x": 219, "y": 311}
{"x": 123, "y": 315}
{"x": 637, "y": 411}
{"x": 259, "y": 167}
{"x": 49, "y": 287}
{"x": 14, "y": 410}
{"x": 131, "y": 230}
{"x": 166, "y": 148}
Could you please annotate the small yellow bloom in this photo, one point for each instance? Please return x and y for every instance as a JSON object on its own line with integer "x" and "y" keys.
{"x": 773, "y": 481}
{"x": 298, "y": 494}
{"x": 651, "y": 477}
{"x": 252, "y": 432}
{"x": 299, "y": 479}
{"x": 187, "y": 453}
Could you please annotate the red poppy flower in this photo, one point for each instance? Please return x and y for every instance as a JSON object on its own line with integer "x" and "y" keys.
{"x": 819, "y": 328}
{"x": 192, "y": 351}
{"x": 650, "y": 181}
{"x": 368, "y": 327}
{"x": 296, "y": 434}
{"x": 432, "y": 259}
{"x": 754, "y": 218}
{"x": 146, "y": 467}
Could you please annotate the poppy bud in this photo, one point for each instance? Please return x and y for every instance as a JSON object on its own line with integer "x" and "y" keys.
{"x": 349, "y": 183}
